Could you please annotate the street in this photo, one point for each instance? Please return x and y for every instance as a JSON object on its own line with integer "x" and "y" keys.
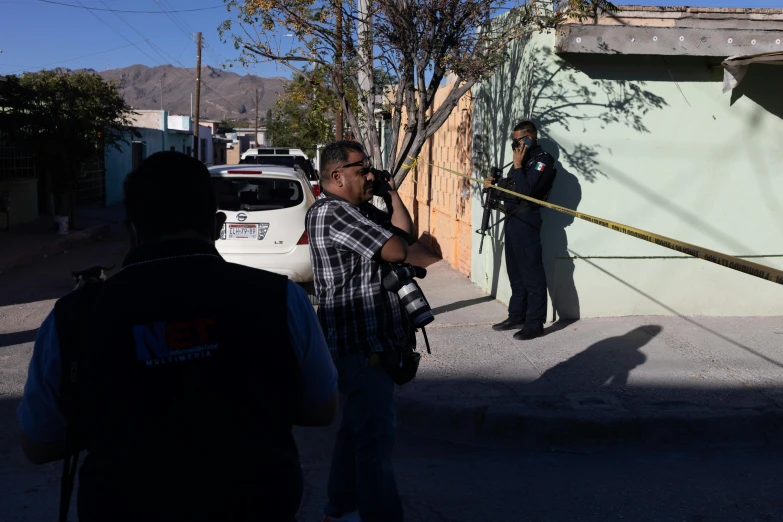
{"x": 439, "y": 481}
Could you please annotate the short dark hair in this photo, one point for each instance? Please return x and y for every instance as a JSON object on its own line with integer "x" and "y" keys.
{"x": 336, "y": 153}
{"x": 526, "y": 125}
{"x": 169, "y": 193}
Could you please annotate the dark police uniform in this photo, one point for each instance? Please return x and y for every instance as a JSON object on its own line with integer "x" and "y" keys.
{"x": 187, "y": 395}
{"x": 524, "y": 262}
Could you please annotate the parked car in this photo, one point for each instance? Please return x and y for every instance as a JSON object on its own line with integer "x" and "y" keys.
{"x": 284, "y": 156}
{"x": 265, "y": 206}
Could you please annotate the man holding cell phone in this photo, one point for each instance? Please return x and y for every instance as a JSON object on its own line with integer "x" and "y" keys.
{"x": 533, "y": 175}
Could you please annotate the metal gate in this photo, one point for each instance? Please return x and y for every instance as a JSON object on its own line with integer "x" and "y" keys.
{"x": 91, "y": 185}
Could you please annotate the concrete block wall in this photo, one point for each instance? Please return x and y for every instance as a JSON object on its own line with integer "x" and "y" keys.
{"x": 440, "y": 201}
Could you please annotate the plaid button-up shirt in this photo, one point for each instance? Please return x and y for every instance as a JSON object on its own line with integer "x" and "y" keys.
{"x": 357, "y": 314}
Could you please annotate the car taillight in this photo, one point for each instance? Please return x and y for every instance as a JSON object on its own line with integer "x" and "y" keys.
{"x": 316, "y": 190}
{"x": 304, "y": 240}
{"x": 263, "y": 228}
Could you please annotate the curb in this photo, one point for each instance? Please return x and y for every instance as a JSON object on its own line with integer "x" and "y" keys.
{"x": 571, "y": 430}
{"x": 71, "y": 241}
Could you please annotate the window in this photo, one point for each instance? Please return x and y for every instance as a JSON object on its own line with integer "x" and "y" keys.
{"x": 283, "y": 161}
{"x": 253, "y": 194}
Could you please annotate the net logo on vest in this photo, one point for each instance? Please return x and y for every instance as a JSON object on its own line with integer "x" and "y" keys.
{"x": 175, "y": 341}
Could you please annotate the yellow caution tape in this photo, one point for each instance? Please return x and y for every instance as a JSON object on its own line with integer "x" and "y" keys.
{"x": 412, "y": 165}
{"x": 735, "y": 263}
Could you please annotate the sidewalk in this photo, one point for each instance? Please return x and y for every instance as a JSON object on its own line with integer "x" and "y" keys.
{"x": 29, "y": 242}
{"x": 655, "y": 381}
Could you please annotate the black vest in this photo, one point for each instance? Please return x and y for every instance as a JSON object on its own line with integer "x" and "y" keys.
{"x": 541, "y": 191}
{"x": 186, "y": 392}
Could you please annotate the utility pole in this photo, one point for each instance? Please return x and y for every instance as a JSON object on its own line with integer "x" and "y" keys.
{"x": 198, "y": 96}
{"x": 161, "y": 95}
{"x": 256, "y": 135}
{"x": 338, "y": 60}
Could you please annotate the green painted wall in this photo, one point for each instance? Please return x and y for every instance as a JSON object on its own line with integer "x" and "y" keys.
{"x": 650, "y": 142}
{"x": 119, "y": 162}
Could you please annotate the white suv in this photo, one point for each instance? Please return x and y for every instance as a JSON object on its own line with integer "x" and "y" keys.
{"x": 265, "y": 207}
{"x": 284, "y": 156}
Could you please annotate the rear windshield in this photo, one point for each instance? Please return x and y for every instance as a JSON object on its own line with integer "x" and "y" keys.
{"x": 257, "y": 194}
{"x": 284, "y": 161}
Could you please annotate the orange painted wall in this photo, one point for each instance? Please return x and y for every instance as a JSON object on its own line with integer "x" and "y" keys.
{"x": 439, "y": 201}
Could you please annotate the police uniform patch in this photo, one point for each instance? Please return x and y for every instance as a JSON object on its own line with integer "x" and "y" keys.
{"x": 540, "y": 167}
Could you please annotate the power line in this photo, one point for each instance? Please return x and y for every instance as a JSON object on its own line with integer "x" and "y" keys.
{"x": 104, "y": 22}
{"x": 188, "y": 32}
{"x": 148, "y": 42}
{"x": 127, "y": 11}
{"x": 77, "y": 58}
{"x": 209, "y": 47}
{"x": 177, "y": 23}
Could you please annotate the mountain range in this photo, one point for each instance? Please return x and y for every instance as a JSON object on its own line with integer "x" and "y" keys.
{"x": 224, "y": 93}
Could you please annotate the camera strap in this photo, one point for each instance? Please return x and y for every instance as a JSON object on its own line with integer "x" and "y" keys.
{"x": 426, "y": 340}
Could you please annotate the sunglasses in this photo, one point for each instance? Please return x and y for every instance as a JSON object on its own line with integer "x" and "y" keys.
{"x": 366, "y": 165}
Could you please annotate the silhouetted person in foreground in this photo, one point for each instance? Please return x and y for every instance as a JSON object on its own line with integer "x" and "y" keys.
{"x": 191, "y": 370}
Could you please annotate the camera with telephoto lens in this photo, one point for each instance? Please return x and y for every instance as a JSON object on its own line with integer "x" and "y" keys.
{"x": 400, "y": 280}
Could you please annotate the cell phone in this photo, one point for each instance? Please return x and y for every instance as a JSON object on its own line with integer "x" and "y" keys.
{"x": 527, "y": 141}
{"x": 381, "y": 177}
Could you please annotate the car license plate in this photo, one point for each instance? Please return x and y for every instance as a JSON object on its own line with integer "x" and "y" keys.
{"x": 242, "y": 231}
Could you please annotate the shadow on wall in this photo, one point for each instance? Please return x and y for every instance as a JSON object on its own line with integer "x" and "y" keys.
{"x": 536, "y": 84}
{"x": 430, "y": 242}
{"x": 558, "y": 263}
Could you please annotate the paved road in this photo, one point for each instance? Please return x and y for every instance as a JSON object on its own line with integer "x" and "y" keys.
{"x": 440, "y": 482}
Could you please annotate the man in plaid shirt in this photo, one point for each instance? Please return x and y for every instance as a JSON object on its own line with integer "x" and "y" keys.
{"x": 352, "y": 244}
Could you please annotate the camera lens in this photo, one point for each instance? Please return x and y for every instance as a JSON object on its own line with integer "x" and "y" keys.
{"x": 417, "y": 307}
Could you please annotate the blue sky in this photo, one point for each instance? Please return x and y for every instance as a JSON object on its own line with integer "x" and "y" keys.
{"x": 36, "y": 34}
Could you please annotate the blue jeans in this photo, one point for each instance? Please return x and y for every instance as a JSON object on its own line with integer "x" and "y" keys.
{"x": 361, "y": 476}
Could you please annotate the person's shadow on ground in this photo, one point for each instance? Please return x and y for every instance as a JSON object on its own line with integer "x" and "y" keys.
{"x": 605, "y": 364}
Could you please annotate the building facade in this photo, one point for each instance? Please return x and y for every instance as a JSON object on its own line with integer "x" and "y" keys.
{"x": 158, "y": 131}
{"x": 632, "y": 107}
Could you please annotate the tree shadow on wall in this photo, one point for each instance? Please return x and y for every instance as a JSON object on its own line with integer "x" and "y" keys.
{"x": 559, "y": 97}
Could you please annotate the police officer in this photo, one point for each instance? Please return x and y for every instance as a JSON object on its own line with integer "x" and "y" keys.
{"x": 533, "y": 175}
{"x": 191, "y": 370}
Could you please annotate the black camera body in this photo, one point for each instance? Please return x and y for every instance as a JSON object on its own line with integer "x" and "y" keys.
{"x": 400, "y": 280}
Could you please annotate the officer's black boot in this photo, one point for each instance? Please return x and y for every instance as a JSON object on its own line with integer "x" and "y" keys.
{"x": 508, "y": 324}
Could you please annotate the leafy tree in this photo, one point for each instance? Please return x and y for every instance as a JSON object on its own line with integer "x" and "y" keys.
{"x": 303, "y": 115}
{"x": 66, "y": 120}
{"x": 232, "y": 124}
{"x": 418, "y": 43}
